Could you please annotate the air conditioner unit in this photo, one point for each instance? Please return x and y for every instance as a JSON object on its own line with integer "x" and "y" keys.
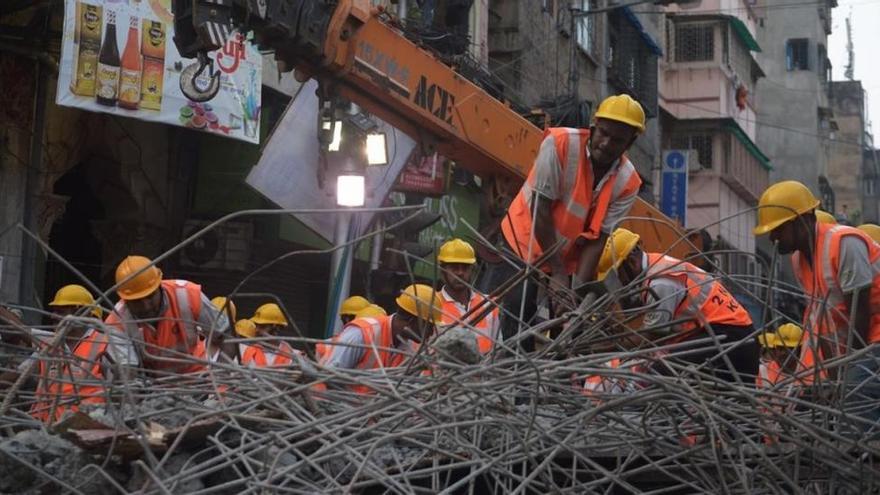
{"x": 225, "y": 247}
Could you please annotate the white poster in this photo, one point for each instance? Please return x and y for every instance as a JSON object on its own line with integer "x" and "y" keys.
{"x": 118, "y": 56}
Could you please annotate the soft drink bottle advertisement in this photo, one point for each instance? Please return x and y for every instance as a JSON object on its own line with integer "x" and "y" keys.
{"x": 118, "y": 57}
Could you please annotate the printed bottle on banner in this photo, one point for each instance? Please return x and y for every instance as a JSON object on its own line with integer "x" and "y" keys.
{"x": 86, "y": 44}
{"x": 108, "y": 65}
{"x": 153, "y": 51}
{"x": 130, "y": 75}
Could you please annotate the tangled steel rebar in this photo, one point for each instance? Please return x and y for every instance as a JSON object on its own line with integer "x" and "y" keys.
{"x": 513, "y": 423}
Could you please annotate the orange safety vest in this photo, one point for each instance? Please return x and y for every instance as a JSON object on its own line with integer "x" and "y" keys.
{"x": 175, "y": 336}
{"x": 576, "y": 213}
{"x": 826, "y": 313}
{"x": 598, "y": 384}
{"x": 378, "y": 350}
{"x": 769, "y": 374}
{"x": 486, "y": 328}
{"x": 256, "y": 354}
{"x": 78, "y": 381}
{"x": 706, "y": 301}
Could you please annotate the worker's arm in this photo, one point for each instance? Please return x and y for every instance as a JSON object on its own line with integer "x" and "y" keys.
{"x": 856, "y": 277}
{"x": 212, "y": 318}
{"x": 665, "y": 295}
{"x": 589, "y": 259}
{"x": 546, "y": 180}
{"x": 346, "y": 351}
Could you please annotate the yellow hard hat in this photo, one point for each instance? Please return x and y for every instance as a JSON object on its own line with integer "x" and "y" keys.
{"x": 220, "y": 303}
{"x": 790, "y": 335}
{"x": 622, "y": 108}
{"x": 371, "y": 311}
{"x": 782, "y": 202}
{"x": 620, "y": 243}
{"x": 422, "y": 301}
{"x": 769, "y": 340}
{"x": 269, "y": 314}
{"x": 246, "y": 328}
{"x": 872, "y": 230}
{"x": 143, "y": 284}
{"x": 352, "y": 305}
{"x": 823, "y": 216}
{"x": 76, "y": 295}
{"x": 457, "y": 251}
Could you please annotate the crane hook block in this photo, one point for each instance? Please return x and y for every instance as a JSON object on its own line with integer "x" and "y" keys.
{"x": 189, "y": 80}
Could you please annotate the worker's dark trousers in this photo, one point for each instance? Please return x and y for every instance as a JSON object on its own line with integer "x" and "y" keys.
{"x": 494, "y": 276}
{"x": 744, "y": 357}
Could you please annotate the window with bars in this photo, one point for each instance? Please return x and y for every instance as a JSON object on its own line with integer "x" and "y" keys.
{"x": 797, "y": 54}
{"x": 586, "y": 27}
{"x": 694, "y": 42}
{"x": 701, "y": 142}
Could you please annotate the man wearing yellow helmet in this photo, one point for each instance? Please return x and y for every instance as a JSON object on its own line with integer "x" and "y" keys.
{"x": 385, "y": 341}
{"x": 350, "y": 308}
{"x": 72, "y": 375}
{"x": 164, "y": 317}
{"x": 838, "y": 268}
{"x": 579, "y": 188}
{"x": 783, "y": 351}
{"x": 682, "y": 302}
{"x": 457, "y": 259}
{"x": 269, "y": 321}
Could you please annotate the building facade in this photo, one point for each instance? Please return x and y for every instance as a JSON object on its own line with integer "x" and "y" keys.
{"x": 707, "y": 83}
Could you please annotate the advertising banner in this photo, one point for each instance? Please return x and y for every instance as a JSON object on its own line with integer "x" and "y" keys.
{"x": 118, "y": 57}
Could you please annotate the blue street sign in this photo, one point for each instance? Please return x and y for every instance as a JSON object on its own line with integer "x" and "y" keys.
{"x": 673, "y": 196}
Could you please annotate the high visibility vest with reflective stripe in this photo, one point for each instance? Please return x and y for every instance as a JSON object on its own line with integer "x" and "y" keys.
{"x": 826, "y": 313}
{"x": 576, "y": 213}
{"x": 378, "y": 342}
{"x": 487, "y": 328}
{"x": 257, "y": 355}
{"x": 706, "y": 301}
{"x": 176, "y": 335}
{"x": 80, "y": 380}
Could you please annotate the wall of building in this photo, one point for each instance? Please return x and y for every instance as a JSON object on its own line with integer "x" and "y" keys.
{"x": 846, "y": 163}
{"x": 789, "y": 130}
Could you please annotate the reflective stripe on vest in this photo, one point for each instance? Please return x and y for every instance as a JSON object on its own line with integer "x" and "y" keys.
{"x": 257, "y": 355}
{"x": 175, "y": 335}
{"x": 706, "y": 301}
{"x": 486, "y": 328}
{"x": 576, "y": 212}
{"x": 80, "y": 380}
{"x": 826, "y": 313}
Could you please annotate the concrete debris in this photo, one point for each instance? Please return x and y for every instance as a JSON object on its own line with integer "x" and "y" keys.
{"x": 459, "y": 345}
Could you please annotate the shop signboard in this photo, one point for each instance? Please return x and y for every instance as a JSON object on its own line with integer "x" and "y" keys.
{"x": 118, "y": 57}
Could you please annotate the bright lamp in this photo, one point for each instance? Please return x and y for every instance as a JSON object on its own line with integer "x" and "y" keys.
{"x": 377, "y": 154}
{"x": 350, "y": 190}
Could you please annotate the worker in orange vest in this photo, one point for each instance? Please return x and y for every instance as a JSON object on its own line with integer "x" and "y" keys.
{"x": 164, "y": 317}
{"x": 457, "y": 259}
{"x": 672, "y": 290}
{"x": 782, "y": 351}
{"x": 350, "y": 308}
{"x": 838, "y": 268}
{"x": 579, "y": 188}
{"x": 72, "y": 374}
{"x": 269, "y": 321}
{"x": 385, "y": 341}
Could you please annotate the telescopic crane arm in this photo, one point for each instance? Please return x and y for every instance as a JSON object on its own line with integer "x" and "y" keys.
{"x": 355, "y": 54}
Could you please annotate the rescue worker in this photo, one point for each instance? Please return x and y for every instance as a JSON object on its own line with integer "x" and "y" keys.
{"x": 384, "y": 341}
{"x": 457, "y": 259}
{"x": 872, "y": 230}
{"x": 74, "y": 373}
{"x": 579, "y": 188}
{"x": 269, "y": 321}
{"x": 782, "y": 349}
{"x": 350, "y": 308}
{"x": 838, "y": 268}
{"x": 163, "y": 317}
{"x": 675, "y": 290}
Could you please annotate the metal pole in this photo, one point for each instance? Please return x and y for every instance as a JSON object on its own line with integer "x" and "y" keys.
{"x": 340, "y": 273}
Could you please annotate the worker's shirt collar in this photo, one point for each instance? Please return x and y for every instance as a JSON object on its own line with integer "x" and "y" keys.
{"x": 448, "y": 298}
{"x": 611, "y": 170}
